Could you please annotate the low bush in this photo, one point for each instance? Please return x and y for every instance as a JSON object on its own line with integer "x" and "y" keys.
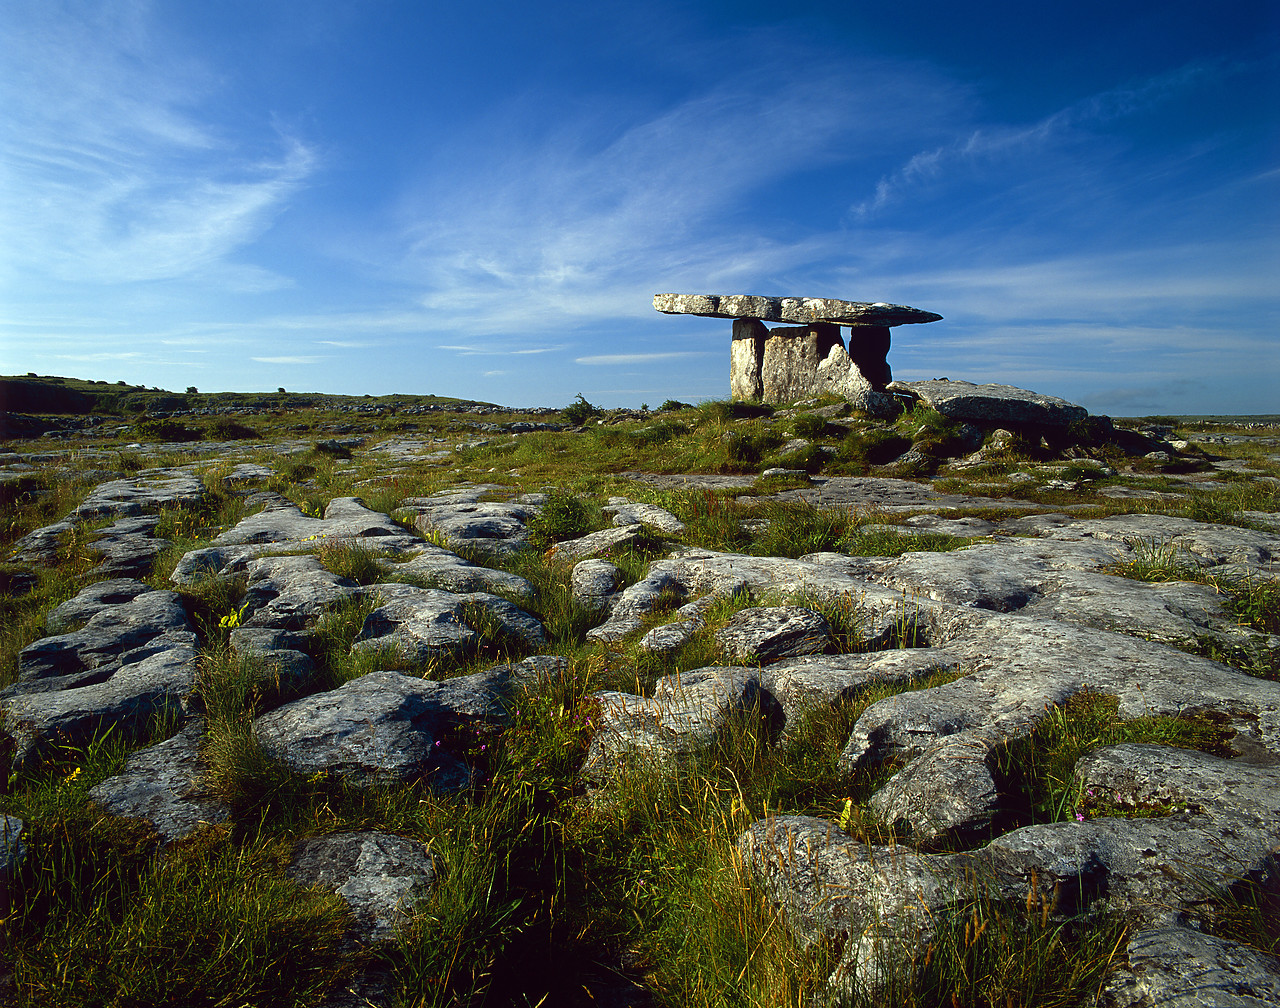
{"x": 563, "y": 516}
{"x": 579, "y": 411}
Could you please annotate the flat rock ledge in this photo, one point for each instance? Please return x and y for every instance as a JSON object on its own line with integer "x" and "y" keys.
{"x": 790, "y": 309}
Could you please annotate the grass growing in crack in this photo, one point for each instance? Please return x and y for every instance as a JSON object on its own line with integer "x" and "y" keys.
{"x": 351, "y": 558}
{"x": 988, "y": 953}
{"x": 1254, "y": 601}
{"x": 1038, "y": 769}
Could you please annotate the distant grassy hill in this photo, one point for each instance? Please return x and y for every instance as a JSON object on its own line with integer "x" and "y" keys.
{"x": 48, "y": 394}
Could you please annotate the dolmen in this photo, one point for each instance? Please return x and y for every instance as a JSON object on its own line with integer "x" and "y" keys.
{"x": 809, "y": 357}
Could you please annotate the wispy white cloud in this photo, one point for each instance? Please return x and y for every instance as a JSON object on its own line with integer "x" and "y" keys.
{"x": 998, "y": 143}
{"x": 464, "y": 350}
{"x": 639, "y": 358}
{"x": 288, "y": 360}
{"x": 587, "y": 222}
{"x": 115, "y": 170}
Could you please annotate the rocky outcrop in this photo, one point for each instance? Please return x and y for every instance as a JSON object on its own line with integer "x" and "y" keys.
{"x": 1178, "y": 967}
{"x": 423, "y": 625}
{"x": 282, "y": 527}
{"x": 687, "y": 714}
{"x": 466, "y": 521}
{"x": 993, "y": 405}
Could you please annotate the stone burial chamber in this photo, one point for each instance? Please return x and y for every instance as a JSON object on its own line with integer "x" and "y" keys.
{"x": 809, "y": 357}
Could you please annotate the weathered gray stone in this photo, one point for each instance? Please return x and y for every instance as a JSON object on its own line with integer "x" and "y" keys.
{"x": 946, "y": 791}
{"x": 129, "y": 700}
{"x": 627, "y": 512}
{"x": 281, "y": 527}
{"x": 467, "y": 521}
{"x": 381, "y": 877}
{"x": 148, "y": 491}
{"x": 162, "y": 785}
{"x": 771, "y": 633}
{"x": 896, "y": 496}
{"x": 444, "y": 569}
{"x": 425, "y": 624}
{"x": 1176, "y": 967}
{"x": 128, "y": 546}
{"x": 11, "y": 846}
{"x": 386, "y": 726}
{"x": 687, "y": 714}
{"x": 292, "y": 592}
{"x": 668, "y": 637}
{"x": 746, "y": 358}
{"x": 1017, "y": 666}
{"x": 812, "y": 682}
{"x": 595, "y": 543}
{"x": 114, "y": 636}
{"x": 800, "y": 310}
{"x": 91, "y": 600}
{"x": 286, "y": 666}
{"x": 812, "y": 360}
{"x": 593, "y": 583}
{"x": 994, "y": 404}
{"x": 876, "y": 904}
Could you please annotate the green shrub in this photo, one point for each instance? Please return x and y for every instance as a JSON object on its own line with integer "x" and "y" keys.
{"x": 563, "y": 516}
{"x": 862, "y": 449}
{"x": 158, "y": 429}
{"x": 579, "y": 411}
{"x": 226, "y": 429}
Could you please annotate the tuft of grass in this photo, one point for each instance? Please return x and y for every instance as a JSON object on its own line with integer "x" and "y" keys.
{"x": 1038, "y": 769}
{"x": 987, "y": 953}
{"x": 351, "y": 558}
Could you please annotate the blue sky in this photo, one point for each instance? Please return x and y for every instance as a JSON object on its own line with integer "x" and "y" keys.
{"x": 480, "y": 199}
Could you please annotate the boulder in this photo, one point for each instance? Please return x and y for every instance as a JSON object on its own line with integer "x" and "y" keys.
{"x": 593, "y": 583}
{"x": 627, "y": 512}
{"x": 595, "y": 543}
{"x": 162, "y": 785}
{"x": 798, "y": 363}
{"x": 993, "y": 405}
{"x": 386, "y": 726}
{"x": 771, "y": 633}
{"x": 688, "y": 713}
{"x": 380, "y": 876}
